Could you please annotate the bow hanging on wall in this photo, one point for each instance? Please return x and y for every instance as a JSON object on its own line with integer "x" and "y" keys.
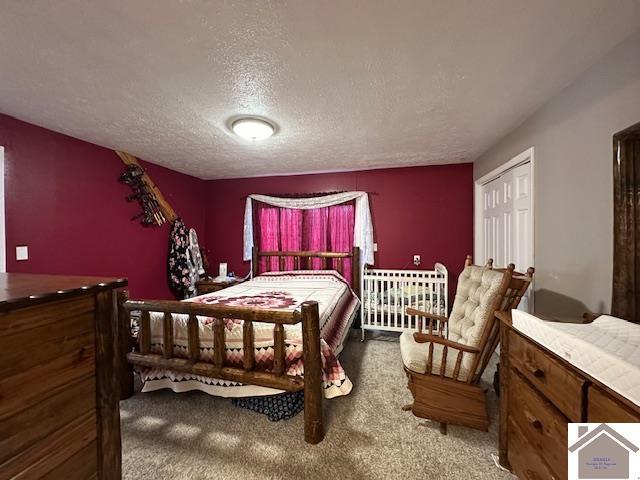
{"x": 155, "y": 208}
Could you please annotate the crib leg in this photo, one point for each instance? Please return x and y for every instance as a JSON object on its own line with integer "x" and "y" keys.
{"x": 362, "y": 340}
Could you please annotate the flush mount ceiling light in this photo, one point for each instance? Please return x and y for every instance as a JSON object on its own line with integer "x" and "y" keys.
{"x": 251, "y": 128}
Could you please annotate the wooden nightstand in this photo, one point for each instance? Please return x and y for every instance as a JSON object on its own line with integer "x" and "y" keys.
{"x": 208, "y": 286}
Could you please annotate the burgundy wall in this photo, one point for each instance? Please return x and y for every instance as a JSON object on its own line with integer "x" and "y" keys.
{"x": 63, "y": 201}
{"x": 419, "y": 210}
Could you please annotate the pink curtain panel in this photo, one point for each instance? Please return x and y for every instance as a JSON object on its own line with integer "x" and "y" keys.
{"x": 341, "y": 219}
{"x": 290, "y": 233}
{"x": 268, "y": 219}
{"x": 316, "y": 230}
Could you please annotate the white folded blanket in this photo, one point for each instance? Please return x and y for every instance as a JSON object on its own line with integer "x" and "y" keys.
{"x": 608, "y": 349}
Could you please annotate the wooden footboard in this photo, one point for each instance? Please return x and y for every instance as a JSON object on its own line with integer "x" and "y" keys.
{"x": 139, "y": 352}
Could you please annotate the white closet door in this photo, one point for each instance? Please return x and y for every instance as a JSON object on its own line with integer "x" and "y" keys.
{"x": 490, "y": 218}
{"x": 507, "y": 220}
{"x": 523, "y": 222}
{"x": 522, "y": 253}
{"x": 497, "y": 218}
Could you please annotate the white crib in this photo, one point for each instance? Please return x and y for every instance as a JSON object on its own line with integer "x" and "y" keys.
{"x": 387, "y": 293}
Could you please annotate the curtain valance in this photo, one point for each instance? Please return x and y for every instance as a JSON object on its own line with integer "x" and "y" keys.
{"x": 363, "y": 227}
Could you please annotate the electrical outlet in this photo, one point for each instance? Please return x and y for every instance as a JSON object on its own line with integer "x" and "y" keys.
{"x": 375, "y": 247}
{"x": 416, "y": 260}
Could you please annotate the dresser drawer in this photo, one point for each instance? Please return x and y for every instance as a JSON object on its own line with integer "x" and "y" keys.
{"x": 544, "y": 427}
{"x": 28, "y": 348}
{"x": 26, "y": 388}
{"x": 68, "y": 443}
{"x": 524, "y": 460}
{"x": 563, "y": 387}
{"x": 602, "y": 407}
{"x": 46, "y": 417}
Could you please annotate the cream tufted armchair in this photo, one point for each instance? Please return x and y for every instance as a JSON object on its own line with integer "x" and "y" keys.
{"x": 444, "y": 370}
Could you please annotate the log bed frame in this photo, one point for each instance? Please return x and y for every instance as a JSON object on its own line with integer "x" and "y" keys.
{"x": 137, "y": 351}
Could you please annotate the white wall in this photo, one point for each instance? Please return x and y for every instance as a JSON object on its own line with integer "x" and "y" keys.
{"x": 572, "y": 135}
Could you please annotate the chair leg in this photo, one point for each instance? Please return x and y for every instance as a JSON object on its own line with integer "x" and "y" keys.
{"x": 407, "y": 408}
{"x": 443, "y": 428}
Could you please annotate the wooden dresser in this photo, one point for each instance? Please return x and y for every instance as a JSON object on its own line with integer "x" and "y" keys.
{"x": 59, "y": 413}
{"x": 539, "y": 394}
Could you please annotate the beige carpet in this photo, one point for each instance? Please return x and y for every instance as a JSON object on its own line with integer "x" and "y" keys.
{"x": 195, "y": 436}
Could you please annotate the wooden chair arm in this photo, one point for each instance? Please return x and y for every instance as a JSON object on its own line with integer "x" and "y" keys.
{"x": 420, "y": 313}
{"x": 425, "y": 337}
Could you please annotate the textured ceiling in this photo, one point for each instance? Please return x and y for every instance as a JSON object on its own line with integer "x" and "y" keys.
{"x": 350, "y": 84}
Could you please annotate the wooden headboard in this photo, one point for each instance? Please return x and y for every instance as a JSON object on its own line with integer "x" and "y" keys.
{"x": 302, "y": 261}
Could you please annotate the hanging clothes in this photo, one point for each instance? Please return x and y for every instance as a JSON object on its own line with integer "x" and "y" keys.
{"x": 178, "y": 272}
{"x": 194, "y": 261}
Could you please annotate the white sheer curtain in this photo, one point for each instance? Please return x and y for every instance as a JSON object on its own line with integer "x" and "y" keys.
{"x": 362, "y": 230}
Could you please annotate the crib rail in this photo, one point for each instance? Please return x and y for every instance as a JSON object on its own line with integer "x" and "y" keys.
{"x": 140, "y": 352}
{"x": 387, "y": 293}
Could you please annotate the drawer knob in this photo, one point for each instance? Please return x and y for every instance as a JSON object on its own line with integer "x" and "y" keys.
{"x": 537, "y": 424}
{"x": 535, "y": 371}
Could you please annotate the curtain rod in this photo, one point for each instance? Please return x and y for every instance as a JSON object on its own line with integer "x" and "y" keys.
{"x": 304, "y": 195}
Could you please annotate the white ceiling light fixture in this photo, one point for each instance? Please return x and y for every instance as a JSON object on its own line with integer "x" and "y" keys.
{"x": 251, "y": 128}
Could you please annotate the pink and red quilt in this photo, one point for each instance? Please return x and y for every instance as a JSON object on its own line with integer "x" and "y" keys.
{"x": 337, "y": 304}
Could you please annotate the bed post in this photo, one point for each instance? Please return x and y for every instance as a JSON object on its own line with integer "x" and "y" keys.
{"x": 355, "y": 271}
{"x": 313, "y": 425}
{"x": 125, "y": 369}
{"x": 254, "y": 261}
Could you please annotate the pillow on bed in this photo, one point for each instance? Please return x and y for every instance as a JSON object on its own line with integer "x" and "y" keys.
{"x": 306, "y": 272}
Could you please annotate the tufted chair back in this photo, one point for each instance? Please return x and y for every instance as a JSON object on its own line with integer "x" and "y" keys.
{"x": 474, "y": 303}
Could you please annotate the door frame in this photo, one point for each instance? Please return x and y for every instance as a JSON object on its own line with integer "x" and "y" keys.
{"x": 3, "y": 238}
{"x": 478, "y": 238}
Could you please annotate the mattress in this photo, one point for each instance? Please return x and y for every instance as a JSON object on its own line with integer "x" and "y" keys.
{"x": 608, "y": 349}
{"x": 337, "y": 305}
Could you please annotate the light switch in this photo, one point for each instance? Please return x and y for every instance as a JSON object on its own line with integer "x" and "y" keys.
{"x": 22, "y": 252}
{"x": 375, "y": 247}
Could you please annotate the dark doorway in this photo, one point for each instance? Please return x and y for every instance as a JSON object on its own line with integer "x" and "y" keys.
{"x": 626, "y": 224}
